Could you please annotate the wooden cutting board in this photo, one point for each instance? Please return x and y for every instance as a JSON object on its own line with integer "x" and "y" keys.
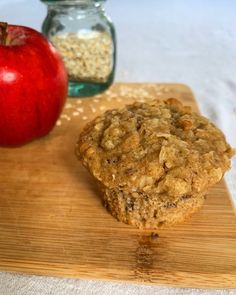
{"x": 52, "y": 221}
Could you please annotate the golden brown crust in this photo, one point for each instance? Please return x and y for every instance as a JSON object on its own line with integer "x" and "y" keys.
{"x": 160, "y": 148}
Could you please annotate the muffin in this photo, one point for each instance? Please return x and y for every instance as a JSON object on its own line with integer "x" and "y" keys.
{"x": 153, "y": 161}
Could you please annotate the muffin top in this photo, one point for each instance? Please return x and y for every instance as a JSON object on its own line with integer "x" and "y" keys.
{"x": 156, "y": 147}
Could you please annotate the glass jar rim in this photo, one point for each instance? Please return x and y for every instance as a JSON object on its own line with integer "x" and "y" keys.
{"x": 96, "y": 2}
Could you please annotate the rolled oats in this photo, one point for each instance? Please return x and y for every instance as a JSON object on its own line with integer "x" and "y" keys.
{"x": 87, "y": 57}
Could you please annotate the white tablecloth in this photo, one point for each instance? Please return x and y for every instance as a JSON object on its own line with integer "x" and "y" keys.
{"x": 191, "y": 42}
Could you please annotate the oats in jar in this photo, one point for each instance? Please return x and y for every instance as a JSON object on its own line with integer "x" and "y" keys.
{"x": 88, "y": 56}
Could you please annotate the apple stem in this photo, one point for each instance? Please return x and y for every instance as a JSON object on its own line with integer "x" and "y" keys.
{"x": 3, "y": 33}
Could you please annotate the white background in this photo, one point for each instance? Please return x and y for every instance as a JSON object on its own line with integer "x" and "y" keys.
{"x": 191, "y": 42}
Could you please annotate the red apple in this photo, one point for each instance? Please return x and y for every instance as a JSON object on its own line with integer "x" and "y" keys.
{"x": 33, "y": 85}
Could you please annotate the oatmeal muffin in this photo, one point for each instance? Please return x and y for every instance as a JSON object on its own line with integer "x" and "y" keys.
{"x": 154, "y": 161}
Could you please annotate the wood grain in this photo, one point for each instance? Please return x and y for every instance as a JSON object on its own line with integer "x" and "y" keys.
{"x": 52, "y": 221}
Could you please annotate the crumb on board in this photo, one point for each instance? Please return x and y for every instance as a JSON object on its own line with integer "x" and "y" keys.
{"x": 64, "y": 116}
{"x": 134, "y": 92}
{"x": 81, "y": 110}
{"x": 58, "y": 123}
{"x": 68, "y": 106}
{"x": 113, "y": 94}
{"x": 93, "y": 109}
{"x": 85, "y": 118}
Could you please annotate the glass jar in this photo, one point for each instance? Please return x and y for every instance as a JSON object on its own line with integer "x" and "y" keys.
{"x": 85, "y": 38}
